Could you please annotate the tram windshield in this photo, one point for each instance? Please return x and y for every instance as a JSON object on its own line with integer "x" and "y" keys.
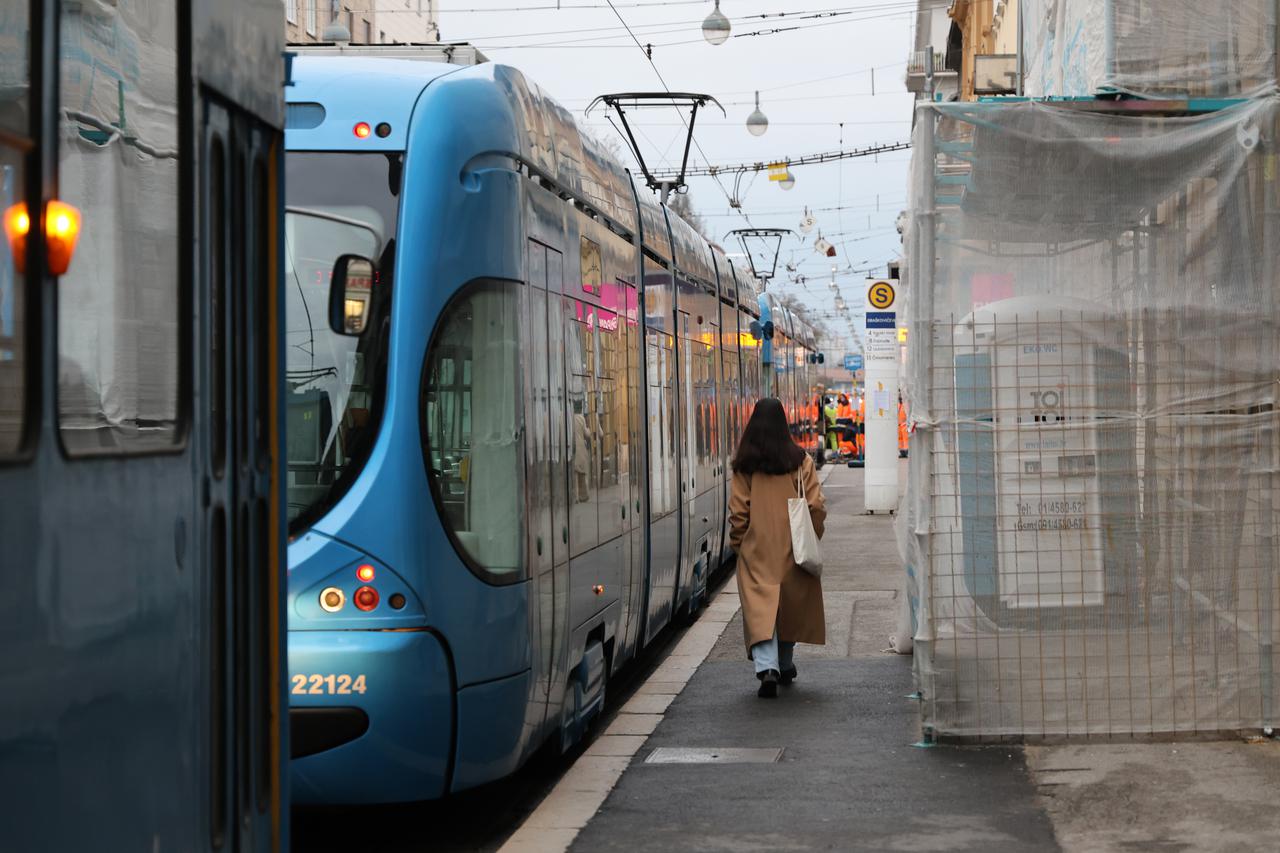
{"x": 335, "y": 203}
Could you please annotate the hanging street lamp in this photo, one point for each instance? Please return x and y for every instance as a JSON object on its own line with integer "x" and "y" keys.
{"x": 715, "y": 29}
{"x": 757, "y": 122}
{"x": 788, "y": 182}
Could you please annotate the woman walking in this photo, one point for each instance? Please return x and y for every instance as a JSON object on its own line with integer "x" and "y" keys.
{"x": 781, "y": 603}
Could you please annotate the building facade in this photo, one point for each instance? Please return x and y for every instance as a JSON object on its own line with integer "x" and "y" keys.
{"x": 305, "y": 20}
{"x": 406, "y": 21}
{"x": 975, "y": 47}
{"x": 368, "y": 21}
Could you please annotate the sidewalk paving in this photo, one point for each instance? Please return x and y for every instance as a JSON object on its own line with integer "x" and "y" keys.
{"x": 848, "y": 776}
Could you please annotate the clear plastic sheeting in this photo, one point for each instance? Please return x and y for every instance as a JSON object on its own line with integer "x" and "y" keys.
{"x": 118, "y": 303}
{"x": 1154, "y": 48}
{"x": 1091, "y": 508}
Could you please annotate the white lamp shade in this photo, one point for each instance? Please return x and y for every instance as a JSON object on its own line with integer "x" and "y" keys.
{"x": 715, "y": 29}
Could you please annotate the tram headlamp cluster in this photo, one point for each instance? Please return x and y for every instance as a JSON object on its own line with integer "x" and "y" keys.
{"x": 366, "y": 598}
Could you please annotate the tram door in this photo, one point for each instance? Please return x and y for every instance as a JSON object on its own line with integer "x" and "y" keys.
{"x": 538, "y": 466}
{"x": 664, "y": 491}
{"x": 237, "y": 316}
{"x": 687, "y": 420}
{"x": 549, "y": 480}
{"x": 715, "y": 437}
{"x": 637, "y": 484}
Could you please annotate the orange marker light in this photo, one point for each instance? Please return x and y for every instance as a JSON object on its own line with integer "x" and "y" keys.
{"x": 365, "y": 573}
{"x": 17, "y": 224}
{"x": 61, "y": 231}
{"x": 362, "y": 130}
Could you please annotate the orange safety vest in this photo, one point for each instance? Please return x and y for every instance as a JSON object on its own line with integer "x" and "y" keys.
{"x": 903, "y": 436}
{"x": 862, "y": 433}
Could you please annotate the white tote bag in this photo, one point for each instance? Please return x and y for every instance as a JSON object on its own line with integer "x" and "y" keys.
{"x": 804, "y": 540}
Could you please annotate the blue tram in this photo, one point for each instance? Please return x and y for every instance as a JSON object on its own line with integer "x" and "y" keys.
{"x": 514, "y": 384}
{"x": 141, "y": 508}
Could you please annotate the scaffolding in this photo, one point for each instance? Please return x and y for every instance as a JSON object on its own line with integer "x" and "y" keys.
{"x": 1090, "y": 514}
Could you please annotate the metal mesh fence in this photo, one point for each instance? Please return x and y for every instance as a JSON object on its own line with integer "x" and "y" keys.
{"x": 1092, "y": 370}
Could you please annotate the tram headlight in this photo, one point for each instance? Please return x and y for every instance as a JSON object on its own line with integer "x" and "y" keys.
{"x": 332, "y": 599}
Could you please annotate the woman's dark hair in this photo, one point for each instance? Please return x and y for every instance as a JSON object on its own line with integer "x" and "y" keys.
{"x": 766, "y": 444}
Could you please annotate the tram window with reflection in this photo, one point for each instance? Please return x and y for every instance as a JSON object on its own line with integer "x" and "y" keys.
{"x": 584, "y": 450}
{"x": 472, "y": 422}
{"x": 337, "y": 204}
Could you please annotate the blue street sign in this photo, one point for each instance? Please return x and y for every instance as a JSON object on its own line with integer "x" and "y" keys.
{"x": 853, "y": 362}
{"x": 882, "y": 320}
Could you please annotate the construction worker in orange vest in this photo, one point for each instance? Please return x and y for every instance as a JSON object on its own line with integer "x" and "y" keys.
{"x": 829, "y": 412}
{"x": 903, "y": 437}
{"x": 844, "y": 420}
{"x": 860, "y": 421}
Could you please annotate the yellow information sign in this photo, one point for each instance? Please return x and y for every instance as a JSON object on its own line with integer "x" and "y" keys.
{"x": 881, "y": 295}
{"x": 777, "y": 171}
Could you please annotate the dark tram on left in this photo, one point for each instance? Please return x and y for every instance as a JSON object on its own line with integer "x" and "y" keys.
{"x": 141, "y": 563}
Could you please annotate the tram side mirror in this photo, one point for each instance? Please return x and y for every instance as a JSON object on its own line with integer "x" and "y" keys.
{"x": 768, "y": 330}
{"x": 350, "y": 291}
{"x": 822, "y": 358}
{"x": 756, "y": 331}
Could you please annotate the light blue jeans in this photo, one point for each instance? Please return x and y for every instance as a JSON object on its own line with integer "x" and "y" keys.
{"x": 772, "y": 654}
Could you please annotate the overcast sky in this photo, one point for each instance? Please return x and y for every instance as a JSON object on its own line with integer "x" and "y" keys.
{"x": 810, "y": 80}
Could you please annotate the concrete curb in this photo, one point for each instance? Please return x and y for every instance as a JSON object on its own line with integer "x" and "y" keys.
{"x": 577, "y": 797}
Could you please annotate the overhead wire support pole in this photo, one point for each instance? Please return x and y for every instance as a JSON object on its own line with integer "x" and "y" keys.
{"x": 688, "y": 143}
{"x": 665, "y": 182}
{"x": 807, "y": 160}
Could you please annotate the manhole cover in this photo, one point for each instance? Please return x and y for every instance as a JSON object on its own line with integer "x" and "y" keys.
{"x": 712, "y": 755}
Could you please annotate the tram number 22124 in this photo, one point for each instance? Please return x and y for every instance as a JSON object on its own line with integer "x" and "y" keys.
{"x": 327, "y": 684}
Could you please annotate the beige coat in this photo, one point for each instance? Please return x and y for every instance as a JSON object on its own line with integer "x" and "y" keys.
{"x": 774, "y": 590}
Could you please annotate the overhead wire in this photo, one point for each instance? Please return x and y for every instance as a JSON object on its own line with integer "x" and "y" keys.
{"x": 847, "y": 16}
{"x": 558, "y": 7}
{"x": 798, "y": 14}
{"x": 771, "y": 123}
{"x": 580, "y": 45}
{"x": 649, "y": 58}
{"x": 804, "y": 160}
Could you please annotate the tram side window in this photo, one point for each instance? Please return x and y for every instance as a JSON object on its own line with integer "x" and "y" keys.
{"x": 660, "y": 361}
{"x": 14, "y": 140}
{"x": 118, "y": 339}
{"x": 472, "y": 416}
{"x": 584, "y": 432}
{"x": 613, "y": 426}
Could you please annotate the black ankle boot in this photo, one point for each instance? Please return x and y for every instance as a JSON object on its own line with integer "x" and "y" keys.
{"x": 787, "y": 676}
{"x": 768, "y": 684}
